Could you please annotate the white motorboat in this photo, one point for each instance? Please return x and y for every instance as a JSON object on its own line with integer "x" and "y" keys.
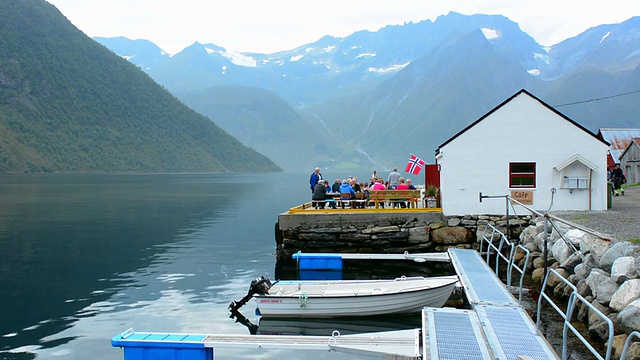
{"x": 335, "y": 298}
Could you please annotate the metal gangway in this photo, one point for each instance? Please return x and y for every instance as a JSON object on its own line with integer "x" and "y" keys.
{"x": 496, "y": 326}
{"x": 489, "y": 237}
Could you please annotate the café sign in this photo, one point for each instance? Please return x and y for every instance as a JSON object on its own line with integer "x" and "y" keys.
{"x": 523, "y": 196}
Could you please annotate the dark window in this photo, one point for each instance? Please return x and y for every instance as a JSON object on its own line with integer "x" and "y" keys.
{"x": 522, "y": 175}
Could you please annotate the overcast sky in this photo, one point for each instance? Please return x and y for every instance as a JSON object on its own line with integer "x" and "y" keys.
{"x": 271, "y": 26}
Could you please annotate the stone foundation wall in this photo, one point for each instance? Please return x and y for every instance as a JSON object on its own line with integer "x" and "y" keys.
{"x": 382, "y": 233}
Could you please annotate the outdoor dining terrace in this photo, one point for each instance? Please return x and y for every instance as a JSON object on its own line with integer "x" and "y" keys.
{"x": 377, "y": 200}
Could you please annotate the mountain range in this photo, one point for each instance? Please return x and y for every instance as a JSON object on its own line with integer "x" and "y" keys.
{"x": 68, "y": 104}
{"x": 372, "y": 98}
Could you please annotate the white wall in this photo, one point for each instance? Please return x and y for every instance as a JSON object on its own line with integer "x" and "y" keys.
{"x": 522, "y": 130}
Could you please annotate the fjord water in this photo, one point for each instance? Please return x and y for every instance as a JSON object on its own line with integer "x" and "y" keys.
{"x": 85, "y": 257}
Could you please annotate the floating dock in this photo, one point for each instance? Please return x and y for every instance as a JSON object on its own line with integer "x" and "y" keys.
{"x": 496, "y": 327}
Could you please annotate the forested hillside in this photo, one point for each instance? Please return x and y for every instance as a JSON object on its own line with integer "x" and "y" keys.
{"x": 68, "y": 104}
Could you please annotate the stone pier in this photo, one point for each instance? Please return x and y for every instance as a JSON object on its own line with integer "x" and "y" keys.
{"x": 382, "y": 232}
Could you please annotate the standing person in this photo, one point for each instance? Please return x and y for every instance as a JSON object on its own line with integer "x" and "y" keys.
{"x": 617, "y": 176}
{"x": 373, "y": 178}
{"x": 315, "y": 177}
{"x": 393, "y": 179}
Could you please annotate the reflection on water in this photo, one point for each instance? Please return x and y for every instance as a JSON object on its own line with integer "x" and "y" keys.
{"x": 85, "y": 257}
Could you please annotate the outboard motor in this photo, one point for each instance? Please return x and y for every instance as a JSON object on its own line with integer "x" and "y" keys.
{"x": 259, "y": 285}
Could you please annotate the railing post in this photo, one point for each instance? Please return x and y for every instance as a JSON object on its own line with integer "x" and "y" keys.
{"x": 545, "y": 247}
{"x": 507, "y": 235}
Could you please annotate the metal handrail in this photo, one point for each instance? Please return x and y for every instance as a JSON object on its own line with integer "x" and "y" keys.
{"x": 573, "y": 300}
{"x": 627, "y": 344}
{"x": 510, "y": 260}
{"x": 518, "y": 269}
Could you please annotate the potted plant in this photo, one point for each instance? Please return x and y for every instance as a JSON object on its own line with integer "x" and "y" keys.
{"x": 431, "y": 195}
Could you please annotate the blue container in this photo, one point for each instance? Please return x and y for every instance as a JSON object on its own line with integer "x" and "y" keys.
{"x": 144, "y": 346}
{"x": 319, "y": 275}
{"x": 315, "y": 261}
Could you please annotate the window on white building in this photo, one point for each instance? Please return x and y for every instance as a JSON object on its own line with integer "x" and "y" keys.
{"x": 522, "y": 175}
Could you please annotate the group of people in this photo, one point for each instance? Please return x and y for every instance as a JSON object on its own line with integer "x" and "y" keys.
{"x": 322, "y": 191}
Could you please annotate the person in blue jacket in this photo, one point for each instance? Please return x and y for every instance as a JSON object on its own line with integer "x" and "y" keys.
{"x": 315, "y": 177}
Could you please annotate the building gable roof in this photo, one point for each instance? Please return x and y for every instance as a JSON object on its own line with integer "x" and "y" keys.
{"x": 522, "y": 91}
{"x": 618, "y": 140}
{"x": 633, "y": 142}
{"x": 577, "y": 157}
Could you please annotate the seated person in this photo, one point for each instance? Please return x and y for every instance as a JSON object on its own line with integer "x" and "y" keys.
{"x": 336, "y": 186}
{"x": 346, "y": 188}
{"x": 319, "y": 194}
{"x": 329, "y": 197}
{"x": 410, "y": 185}
{"x": 402, "y": 186}
{"x": 379, "y": 185}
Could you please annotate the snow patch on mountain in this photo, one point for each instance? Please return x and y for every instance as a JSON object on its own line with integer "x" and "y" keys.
{"x": 490, "y": 34}
{"x": 235, "y": 57}
{"x": 224, "y": 69}
{"x": 605, "y": 36}
{"x": 366, "y": 55}
{"x": 542, "y": 57}
{"x": 296, "y": 57}
{"x": 534, "y": 72}
{"x": 329, "y": 48}
{"x": 388, "y": 69}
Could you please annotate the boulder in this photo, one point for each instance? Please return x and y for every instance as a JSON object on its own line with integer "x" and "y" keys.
{"x": 601, "y": 327}
{"x": 616, "y": 251}
{"x": 557, "y": 230}
{"x": 583, "y": 289}
{"x": 540, "y": 242}
{"x": 606, "y": 289}
{"x": 592, "y": 316}
{"x": 453, "y": 222}
{"x": 528, "y": 235}
{"x": 553, "y": 279}
{"x": 561, "y": 251}
{"x": 452, "y": 235}
{"x": 581, "y": 271}
{"x": 419, "y": 234}
{"x": 623, "y": 269}
{"x": 629, "y": 317}
{"x": 571, "y": 263}
{"x": 537, "y": 275}
{"x": 596, "y": 246}
{"x": 596, "y": 276}
{"x": 618, "y": 345}
{"x": 628, "y": 292}
{"x": 574, "y": 236}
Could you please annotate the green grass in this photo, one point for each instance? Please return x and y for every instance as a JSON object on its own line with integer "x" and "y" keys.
{"x": 635, "y": 240}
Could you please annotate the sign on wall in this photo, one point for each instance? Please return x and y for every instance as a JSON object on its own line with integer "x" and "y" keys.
{"x": 523, "y": 196}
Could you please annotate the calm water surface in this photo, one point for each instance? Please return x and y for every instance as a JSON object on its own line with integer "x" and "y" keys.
{"x": 85, "y": 257}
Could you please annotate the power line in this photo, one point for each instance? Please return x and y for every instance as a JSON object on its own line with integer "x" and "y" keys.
{"x": 597, "y": 99}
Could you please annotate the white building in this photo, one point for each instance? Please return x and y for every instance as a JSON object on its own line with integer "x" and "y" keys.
{"x": 526, "y": 149}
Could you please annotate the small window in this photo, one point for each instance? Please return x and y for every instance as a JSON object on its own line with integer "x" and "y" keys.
{"x": 522, "y": 175}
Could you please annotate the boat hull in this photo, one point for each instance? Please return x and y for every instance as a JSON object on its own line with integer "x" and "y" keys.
{"x": 355, "y": 298}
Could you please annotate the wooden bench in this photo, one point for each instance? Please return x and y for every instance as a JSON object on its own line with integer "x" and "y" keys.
{"x": 394, "y": 196}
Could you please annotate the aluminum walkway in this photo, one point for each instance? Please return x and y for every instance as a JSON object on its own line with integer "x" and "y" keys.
{"x": 496, "y": 327}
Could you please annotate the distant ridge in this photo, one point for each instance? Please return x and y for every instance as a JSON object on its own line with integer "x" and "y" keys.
{"x": 68, "y": 104}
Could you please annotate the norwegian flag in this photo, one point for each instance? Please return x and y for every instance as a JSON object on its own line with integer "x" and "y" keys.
{"x": 415, "y": 165}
